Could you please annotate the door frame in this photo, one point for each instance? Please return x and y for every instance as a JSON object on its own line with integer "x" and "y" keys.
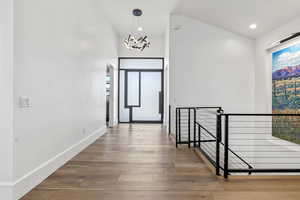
{"x": 142, "y": 70}
{"x": 112, "y": 95}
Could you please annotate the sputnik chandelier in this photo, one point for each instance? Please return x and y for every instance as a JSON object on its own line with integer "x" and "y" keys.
{"x": 137, "y": 40}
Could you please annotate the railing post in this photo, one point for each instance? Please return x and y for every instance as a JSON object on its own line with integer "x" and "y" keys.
{"x": 195, "y": 127}
{"x": 179, "y": 126}
{"x": 189, "y": 127}
{"x": 226, "y": 148}
{"x": 218, "y": 140}
{"x": 176, "y": 126}
{"x": 199, "y": 136}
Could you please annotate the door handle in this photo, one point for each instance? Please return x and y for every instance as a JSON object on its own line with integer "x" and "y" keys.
{"x": 160, "y": 101}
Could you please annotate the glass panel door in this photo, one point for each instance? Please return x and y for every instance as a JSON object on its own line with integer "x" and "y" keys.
{"x": 141, "y": 90}
{"x": 133, "y": 89}
{"x": 151, "y": 98}
{"x": 123, "y": 110}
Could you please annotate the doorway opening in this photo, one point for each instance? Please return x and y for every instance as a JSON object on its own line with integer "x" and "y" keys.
{"x": 141, "y": 90}
{"x": 109, "y": 95}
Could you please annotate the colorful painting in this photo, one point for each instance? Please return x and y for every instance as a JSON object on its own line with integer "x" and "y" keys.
{"x": 286, "y": 92}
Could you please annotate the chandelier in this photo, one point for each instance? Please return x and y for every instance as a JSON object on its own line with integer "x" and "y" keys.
{"x": 137, "y": 40}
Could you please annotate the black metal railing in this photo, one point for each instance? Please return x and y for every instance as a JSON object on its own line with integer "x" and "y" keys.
{"x": 183, "y": 125}
{"x": 207, "y": 132}
{"x": 213, "y": 147}
{"x": 201, "y": 127}
{"x": 186, "y": 118}
{"x": 269, "y": 143}
{"x": 241, "y": 143}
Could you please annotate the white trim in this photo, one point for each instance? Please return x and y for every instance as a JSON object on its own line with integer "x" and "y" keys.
{"x": 288, "y": 44}
{"x": 275, "y": 46}
{"x": 115, "y": 122}
{"x": 36, "y": 176}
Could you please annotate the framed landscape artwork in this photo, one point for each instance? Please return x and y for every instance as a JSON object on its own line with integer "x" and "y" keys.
{"x": 286, "y": 93}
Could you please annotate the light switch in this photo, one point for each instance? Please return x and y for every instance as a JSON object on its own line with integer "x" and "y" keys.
{"x": 24, "y": 102}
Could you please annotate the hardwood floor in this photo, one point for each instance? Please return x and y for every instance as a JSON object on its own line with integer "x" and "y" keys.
{"x": 140, "y": 162}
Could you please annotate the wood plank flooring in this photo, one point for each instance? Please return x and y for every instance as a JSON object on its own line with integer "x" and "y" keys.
{"x": 140, "y": 162}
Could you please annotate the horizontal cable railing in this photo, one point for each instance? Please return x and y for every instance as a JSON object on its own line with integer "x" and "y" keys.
{"x": 199, "y": 126}
{"x": 186, "y": 118}
{"x": 206, "y": 122}
{"x": 241, "y": 143}
{"x": 268, "y": 142}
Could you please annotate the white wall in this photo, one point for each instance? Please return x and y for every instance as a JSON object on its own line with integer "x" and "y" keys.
{"x": 263, "y": 67}
{"x": 62, "y": 48}
{"x": 156, "y": 48}
{"x": 6, "y": 98}
{"x": 167, "y": 70}
{"x": 210, "y": 66}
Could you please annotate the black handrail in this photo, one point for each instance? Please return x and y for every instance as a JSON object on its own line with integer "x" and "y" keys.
{"x": 199, "y": 107}
{"x": 206, "y": 130}
{"x": 217, "y": 139}
{"x": 190, "y": 110}
{"x": 239, "y": 157}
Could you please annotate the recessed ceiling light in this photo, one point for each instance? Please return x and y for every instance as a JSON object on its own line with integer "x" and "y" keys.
{"x": 253, "y": 26}
{"x": 140, "y": 29}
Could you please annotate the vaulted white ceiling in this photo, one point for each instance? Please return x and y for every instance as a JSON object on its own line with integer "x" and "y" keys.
{"x": 154, "y": 19}
{"x": 237, "y": 15}
{"x": 233, "y": 15}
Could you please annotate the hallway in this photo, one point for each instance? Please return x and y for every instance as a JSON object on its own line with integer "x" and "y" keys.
{"x": 140, "y": 162}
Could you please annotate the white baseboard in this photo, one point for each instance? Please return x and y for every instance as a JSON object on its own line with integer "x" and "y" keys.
{"x": 115, "y": 122}
{"x": 36, "y": 176}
